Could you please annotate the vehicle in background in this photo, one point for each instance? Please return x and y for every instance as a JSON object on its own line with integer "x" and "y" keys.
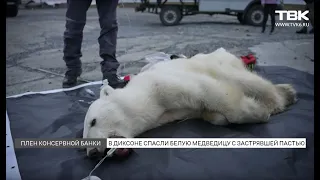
{"x": 172, "y": 11}
{"x": 13, "y": 8}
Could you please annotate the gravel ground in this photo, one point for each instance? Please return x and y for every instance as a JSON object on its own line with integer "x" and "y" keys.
{"x": 34, "y": 43}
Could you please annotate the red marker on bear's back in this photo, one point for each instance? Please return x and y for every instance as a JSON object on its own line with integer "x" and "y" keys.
{"x": 126, "y": 78}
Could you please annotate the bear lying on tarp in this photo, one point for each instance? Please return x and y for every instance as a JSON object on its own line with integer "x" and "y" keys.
{"x": 216, "y": 87}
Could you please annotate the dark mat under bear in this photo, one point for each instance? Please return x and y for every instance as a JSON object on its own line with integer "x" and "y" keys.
{"x": 61, "y": 115}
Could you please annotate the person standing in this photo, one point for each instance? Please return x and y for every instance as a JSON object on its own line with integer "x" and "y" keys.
{"x": 73, "y": 35}
{"x": 309, "y": 7}
{"x": 269, "y": 8}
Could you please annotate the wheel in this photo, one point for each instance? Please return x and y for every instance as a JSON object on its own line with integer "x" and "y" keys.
{"x": 12, "y": 10}
{"x": 240, "y": 18}
{"x": 170, "y": 15}
{"x": 254, "y": 15}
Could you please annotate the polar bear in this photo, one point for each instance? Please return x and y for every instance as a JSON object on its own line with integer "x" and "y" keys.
{"x": 216, "y": 87}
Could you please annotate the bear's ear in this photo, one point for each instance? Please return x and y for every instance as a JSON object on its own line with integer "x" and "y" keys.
{"x": 221, "y": 49}
{"x": 105, "y": 89}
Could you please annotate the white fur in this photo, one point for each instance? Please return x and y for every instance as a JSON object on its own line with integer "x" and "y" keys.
{"x": 216, "y": 87}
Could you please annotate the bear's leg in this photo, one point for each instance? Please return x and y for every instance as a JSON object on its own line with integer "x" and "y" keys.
{"x": 274, "y": 97}
{"x": 202, "y": 93}
{"x": 230, "y": 101}
{"x": 250, "y": 111}
{"x": 247, "y": 110}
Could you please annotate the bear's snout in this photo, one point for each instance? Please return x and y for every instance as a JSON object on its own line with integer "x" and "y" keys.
{"x": 94, "y": 153}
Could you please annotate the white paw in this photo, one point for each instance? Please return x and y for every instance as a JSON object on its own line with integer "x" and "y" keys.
{"x": 289, "y": 93}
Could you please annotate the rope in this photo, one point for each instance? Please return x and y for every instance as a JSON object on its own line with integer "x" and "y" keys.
{"x": 109, "y": 154}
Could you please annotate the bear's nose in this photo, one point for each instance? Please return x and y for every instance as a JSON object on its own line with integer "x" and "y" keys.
{"x": 94, "y": 153}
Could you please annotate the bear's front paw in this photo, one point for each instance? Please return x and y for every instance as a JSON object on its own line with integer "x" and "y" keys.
{"x": 288, "y": 93}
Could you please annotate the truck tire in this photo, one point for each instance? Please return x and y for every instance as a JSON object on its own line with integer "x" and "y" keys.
{"x": 12, "y": 10}
{"x": 241, "y": 18}
{"x": 254, "y": 15}
{"x": 170, "y": 15}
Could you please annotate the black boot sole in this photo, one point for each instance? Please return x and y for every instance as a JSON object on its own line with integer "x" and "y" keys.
{"x": 69, "y": 85}
{"x": 119, "y": 85}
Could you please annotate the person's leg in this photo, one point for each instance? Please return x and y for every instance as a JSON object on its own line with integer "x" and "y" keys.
{"x": 304, "y": 29}
{"x": 107, "y": 10}
{"x": 265, "y": 17}
{"x": 311, "y": 15}
{"x": 75, "y": 22}
{"x": 272, "y": 12}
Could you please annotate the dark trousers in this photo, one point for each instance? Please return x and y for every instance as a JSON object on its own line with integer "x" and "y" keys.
{"x": 310, "y": 8}
{"x": 269, "y": 9}
{"x": 73, "y": 35}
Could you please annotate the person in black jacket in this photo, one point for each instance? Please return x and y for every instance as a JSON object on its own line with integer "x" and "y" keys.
{"x": 310, "y": 7}
{"x": 73, "y": 34}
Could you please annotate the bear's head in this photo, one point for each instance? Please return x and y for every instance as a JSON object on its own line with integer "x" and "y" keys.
{"x": 104, "y": 119}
